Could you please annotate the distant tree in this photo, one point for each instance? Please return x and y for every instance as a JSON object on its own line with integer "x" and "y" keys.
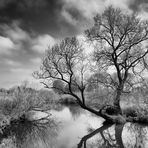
{"x": 120, "y": 43}
{"x": 3, "y": 90}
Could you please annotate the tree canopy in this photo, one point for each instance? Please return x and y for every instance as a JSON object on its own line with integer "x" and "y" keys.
{"x": 121, "y": 43}
{"x": 65, "y": 62}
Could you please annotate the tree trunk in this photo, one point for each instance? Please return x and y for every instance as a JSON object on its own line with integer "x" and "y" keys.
{"x": 117, "y": 98}
{"x": 90, "y": 135}
{"x": 100, "y": 113}
{"x": 118, "y": 135}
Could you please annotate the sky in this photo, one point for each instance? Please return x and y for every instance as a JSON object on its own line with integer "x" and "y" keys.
{"x": 29, "y": 27}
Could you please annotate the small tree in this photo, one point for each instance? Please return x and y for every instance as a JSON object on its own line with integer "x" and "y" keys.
{"x": 121, "y": 38}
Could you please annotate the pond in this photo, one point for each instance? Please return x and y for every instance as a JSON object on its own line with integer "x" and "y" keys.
{"x": 72, "y": 127}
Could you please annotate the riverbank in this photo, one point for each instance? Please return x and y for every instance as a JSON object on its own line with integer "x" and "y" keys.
{"x": 19, "y": 103}
{"x": 74, "y": 126}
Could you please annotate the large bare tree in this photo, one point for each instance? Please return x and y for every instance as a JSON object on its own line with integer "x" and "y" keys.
{"x": 120, "y": 40}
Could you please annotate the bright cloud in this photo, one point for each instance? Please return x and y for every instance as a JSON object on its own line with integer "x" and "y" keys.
{"x": 6, "y": 45}
{"x": 41, "y": 43}
{"x": 12, "y": 63}
{"x": 23, "y": 40}
{"x": 90, "y": 8}
{"x": 142, "y": 13}
{"x": 16, "y": 77}
{"x": 123, "y": 4}
{"x": 87, "y": 7}
{"x": 36, "y": 60}
{"x": 16, "y": 35}
{"x": 69, "y": 18}
{"x": 15, "y": 32}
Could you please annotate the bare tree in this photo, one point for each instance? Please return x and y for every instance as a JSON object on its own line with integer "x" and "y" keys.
{"x": 66, "y": 62}
{"x": 121, "y": 44}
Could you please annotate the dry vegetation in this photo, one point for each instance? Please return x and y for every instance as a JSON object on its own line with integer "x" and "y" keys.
{"x": 15, "y": 104}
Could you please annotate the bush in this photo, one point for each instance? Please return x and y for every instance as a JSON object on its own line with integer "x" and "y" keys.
{"x": 23, "y": 100}
{"x": 131, "y": 112}
{"x": 48, "y": 96}
{"x": 67, "y": 99}
{"x": 20, "y": 101}
{"x": 111, "y": 110}
{"x": 100, "y": 98}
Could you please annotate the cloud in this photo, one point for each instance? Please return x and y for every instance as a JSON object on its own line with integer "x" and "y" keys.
{"x": 122, "y": 4}
{"x": 42, "y": 42}
{"x": 138, "y": 5}
{"x": 4, "y": 3}
{"x": 86, "y": 7}
{"x": 6, "y": 45}
{"x": 21, "y": 74}
{"x": 89, "y": 9}
{"x": 36, "y": 60}
{"x": 40, "y": 16}
{"x": 59, "y": 18}
{"x": 143, "y": 15}
{"x": 16, "y": 76}
{"x": 69, "y": 18}
{"x": 80, "y": 13}
{"x": 17, "y": 38}
{"x": 16, "y": 44}
{"x": 20, "y": 39}
{"x": 23, "y": 3}
{"x": 15, "y": 32}
{"x": 11, "y": 62}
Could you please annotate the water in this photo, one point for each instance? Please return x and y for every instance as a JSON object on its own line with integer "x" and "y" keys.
{"x": 72, "y": 127}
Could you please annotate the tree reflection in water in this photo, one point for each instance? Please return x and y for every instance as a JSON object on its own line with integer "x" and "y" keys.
{"x": 138, "y": 135}
{"x": 116, "y": 136}
{"x": 27, "y": 134}
{"x": 75, "y": 111}
{"x": 83, "y": 141}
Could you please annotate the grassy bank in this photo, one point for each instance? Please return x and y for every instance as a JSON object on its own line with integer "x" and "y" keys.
{"x": 17, "y": 103}
{"x": 134, "y": 105}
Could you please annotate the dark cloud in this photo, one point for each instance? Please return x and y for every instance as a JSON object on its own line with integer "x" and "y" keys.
{"x": 138, "y": 5}
{"x": 41, "y": 16}
{"x": 58, "y": 18}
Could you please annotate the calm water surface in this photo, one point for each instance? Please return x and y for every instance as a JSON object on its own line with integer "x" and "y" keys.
{"x": 72, "y": 127}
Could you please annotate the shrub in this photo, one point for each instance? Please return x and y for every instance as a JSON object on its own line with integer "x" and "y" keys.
{"x": 48, "y": 96}
{"x": 111, "y": 110}
{"x": 21, "y": 101}
{"x": 67, "y": 99}
{"x": 131, "y": 112}
{"x": 100, "y": 98}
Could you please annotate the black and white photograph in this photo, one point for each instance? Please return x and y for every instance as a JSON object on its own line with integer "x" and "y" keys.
{"x": 73, "y": 73}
